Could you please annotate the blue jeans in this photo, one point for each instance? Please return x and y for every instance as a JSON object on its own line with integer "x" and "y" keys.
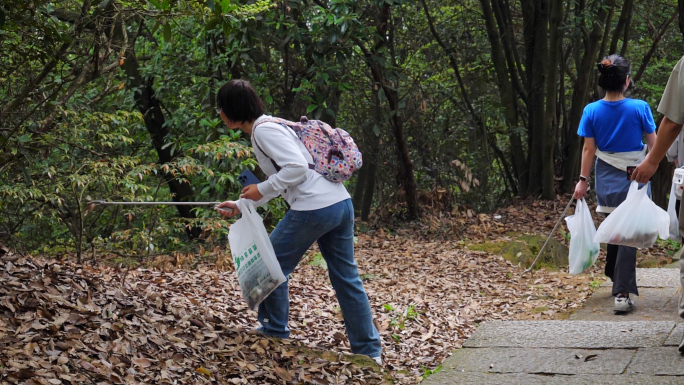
{"x": 333, "y": 228}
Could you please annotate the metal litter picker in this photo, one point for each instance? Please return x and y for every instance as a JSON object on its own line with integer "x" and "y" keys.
{"x": 530, "y": 269}
{"x": 90, "y": 205}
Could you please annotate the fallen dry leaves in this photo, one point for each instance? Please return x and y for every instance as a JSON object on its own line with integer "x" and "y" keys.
{"x": 61, "y": 323}
{"x": 64, "y": 323}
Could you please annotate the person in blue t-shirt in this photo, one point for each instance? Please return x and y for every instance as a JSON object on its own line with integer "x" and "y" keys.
{"x": 613, "y": 129}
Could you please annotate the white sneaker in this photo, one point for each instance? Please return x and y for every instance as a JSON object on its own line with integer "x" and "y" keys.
{"x": 378, "y": 360}
{"x": 623, "y": 304}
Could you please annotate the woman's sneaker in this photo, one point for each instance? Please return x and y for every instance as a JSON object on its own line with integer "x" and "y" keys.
{"x": 623, "y": 304}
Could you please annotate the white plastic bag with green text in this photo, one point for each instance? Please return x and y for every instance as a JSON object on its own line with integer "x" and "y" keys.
{"x": 255, "y": 261}
{"x": 583, "y": 250}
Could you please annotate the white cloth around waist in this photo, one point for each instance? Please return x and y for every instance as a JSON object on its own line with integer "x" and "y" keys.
{"x": 622, "y": 160}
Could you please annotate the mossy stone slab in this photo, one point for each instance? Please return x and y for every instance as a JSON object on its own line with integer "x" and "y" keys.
{"x": 522, "y": 249}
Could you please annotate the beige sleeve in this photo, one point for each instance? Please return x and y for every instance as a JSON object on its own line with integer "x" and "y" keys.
{"x": 672, "y": 103}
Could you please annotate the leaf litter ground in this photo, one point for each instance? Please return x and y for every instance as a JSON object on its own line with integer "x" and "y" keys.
{"x": 61, "y": 323}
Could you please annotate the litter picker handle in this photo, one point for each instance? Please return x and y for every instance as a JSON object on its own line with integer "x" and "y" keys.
{"x": 91, "y": 204}
{"x": 529, "y": 270}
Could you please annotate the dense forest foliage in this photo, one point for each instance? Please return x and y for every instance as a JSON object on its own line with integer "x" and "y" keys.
{"x": 458, "y": 104}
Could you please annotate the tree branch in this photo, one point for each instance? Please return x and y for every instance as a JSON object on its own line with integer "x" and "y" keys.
{"x": 654, "y": 46}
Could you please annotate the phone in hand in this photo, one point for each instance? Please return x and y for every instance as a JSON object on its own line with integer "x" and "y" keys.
{"x": 247, "y": 178}
{"x": 630, "y": 170}
{"x": 227, "y": 210}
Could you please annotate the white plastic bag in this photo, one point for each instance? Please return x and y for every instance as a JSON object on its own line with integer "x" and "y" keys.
{"x": 583, "y": 250}
{"x": 672, "y": 213}
{"x": 636, "y": 222}
{"x": 255, "y": 261}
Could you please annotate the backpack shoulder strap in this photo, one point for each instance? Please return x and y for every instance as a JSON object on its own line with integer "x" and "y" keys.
{"x": 278, "y": 168}
{"x": 284, "y": 123}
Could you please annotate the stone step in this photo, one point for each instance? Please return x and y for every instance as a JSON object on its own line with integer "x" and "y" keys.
{"x": 442, "y": 378}
{"x": 566, "y": 352}
{"x": 639, "y": 347}
{"x": 571, "y": 334}
{"x": 660, "y": 277}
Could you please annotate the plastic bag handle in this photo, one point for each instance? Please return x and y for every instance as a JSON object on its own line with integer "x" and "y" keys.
{"x": 245, "y": 206}
{"x": 634, "y": 189}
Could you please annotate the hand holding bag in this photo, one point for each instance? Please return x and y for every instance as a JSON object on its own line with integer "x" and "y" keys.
{"x": 255, "y": 261}
{"x": 636, "y": 222}
{"x": 583, "y": 250}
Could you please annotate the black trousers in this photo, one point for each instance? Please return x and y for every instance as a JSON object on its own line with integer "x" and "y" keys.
{"x": 621, "y": 268}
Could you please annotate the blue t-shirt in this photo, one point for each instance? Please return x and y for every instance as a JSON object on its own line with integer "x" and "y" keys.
{"x": 617, "y": 126}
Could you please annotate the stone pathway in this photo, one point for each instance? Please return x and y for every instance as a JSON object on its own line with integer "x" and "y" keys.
{"x": 593, "y": 346}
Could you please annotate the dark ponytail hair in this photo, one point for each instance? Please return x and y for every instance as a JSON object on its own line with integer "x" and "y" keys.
{"x": 239, "y": 101}
{"x": 614, "y": 69}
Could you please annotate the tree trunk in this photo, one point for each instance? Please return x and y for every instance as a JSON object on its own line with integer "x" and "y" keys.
{"x": 585, "y": 73}
{"x": 507, "y": 94}
{"x": 357, "y": 197}
{"x": 621, "y": 25}
{"x": 606, "y": 32}
{"x": 551, "y": 124}
{"x": 680, "y": 12}
{"x": 654, "y": 46}
{"x": 391, "y": 94}
{"x": 369, "y": 190}
{"x": 536, "y": 43}
{"x": 625, "y": 36}
{"x": 150, "y": 107}
{"x": 477, "y": 119}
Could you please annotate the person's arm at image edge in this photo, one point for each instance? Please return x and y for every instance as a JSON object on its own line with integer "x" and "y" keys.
{"x": 667, "y": 133}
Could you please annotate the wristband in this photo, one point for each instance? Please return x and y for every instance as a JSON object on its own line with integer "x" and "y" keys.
{"x": 583, "y": 178}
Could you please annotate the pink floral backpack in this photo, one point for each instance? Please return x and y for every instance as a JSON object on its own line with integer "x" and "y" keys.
{"x": 334, "y": 152}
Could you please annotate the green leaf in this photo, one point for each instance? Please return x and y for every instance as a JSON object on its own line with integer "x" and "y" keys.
{"x": 213, "y": 22}
{"x": 210, "y": 4}
{"x": 167, "y": 32}
{"x": 156, "y": 4}
{"x": 381, "y": 95}
{"x": 24, "y": 138}
{"x": 311, "y": 108}
{"x": 269, "y": 99}
{"x": 155, "y": 27}
{"x": 227, "y": 7}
